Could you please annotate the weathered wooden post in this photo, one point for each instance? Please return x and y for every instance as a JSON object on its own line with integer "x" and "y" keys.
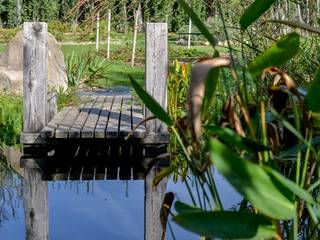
{"x": 35, "y": 75}
{"x": 156, "y": 84}
{"x": 97, "y": 32}
{"x": 108, "y": 33}
{"x": 189, "y": 33}
{"x": 134, "y": 39}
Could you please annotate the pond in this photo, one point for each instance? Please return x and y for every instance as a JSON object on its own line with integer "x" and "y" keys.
{"x": 111, "y": 209}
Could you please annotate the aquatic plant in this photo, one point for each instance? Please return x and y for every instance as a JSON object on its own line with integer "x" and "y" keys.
{"x": 265, "y": 142}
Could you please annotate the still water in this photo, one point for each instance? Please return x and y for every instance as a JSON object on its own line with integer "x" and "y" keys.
{"x": 97, "y": 210}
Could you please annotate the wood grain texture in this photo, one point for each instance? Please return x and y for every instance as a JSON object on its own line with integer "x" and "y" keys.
{"x": 35, "y": 195}
{"x": 49, "y": 130}
{"x": 77, "y": 126}
{"x": 90, "y": 125}
{"x": 102, "y": 124}
{"x": 156, "y": 85}
{"x": 125, "y": 122}
{"x": 35, "y": 76}
{"x": 114, "y": 118}
{"x": 62, "y": 130}
{"x": 156, "y": 69}
{"x": 137, "y": 117}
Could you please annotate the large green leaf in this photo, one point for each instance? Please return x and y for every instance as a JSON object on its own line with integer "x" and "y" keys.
{"x": 183, "y": 208}
{"x": 232, "y": 138}
{"x": 197, "y": 21}
{"x": 254, "y": 11}
{"x": 313, "y": 97}
{"x": 150, "y": 103}
{"x": 210, "y": 88}
{"x": 227, "y": 224}
{"x": 278, "y": 54}
{"x": 278, "y": 179}
{"x": 252, "y": 181}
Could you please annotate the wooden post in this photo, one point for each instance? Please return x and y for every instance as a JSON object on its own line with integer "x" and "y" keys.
{"x": 35, "y": 75}
{"x": 189, "y": 35}
{"x": 156, "y": 85}
{"x": 156, "y": 69}
{"x": 134, "y": 41}
{"x": 97, "y": 32}
{"x": 108, "y": 33}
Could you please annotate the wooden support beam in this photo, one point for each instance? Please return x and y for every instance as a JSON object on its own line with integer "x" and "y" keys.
{"x": 156, "y": 71}
{"x": 156, "y": 85}
{"x": 35, "y": 75}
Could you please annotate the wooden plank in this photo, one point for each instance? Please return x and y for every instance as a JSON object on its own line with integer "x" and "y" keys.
{"x": 49, "y": 130}
{"x": 90, "y": 125}
{"x": 62, "y": 130}
{"x": 137, "y": 117}
{"x": 114, "y": 118}
{"x": 84, "y": 111}
{"x": 35, "y": 75}
{"x": 126, "y": 120}
{"x": 100, "y": 131}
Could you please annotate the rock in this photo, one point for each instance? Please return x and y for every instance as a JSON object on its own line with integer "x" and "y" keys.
{"x": 11, "y": 65}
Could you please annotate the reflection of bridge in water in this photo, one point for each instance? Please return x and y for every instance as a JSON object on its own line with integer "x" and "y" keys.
{"x": 106, "y": 137}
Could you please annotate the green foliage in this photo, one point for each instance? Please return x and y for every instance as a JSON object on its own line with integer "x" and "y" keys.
{"x": 7, "y": 34}
{"x": 233, "y": 139}
{"x": 85, "y": 69}
{"x": 278, "y": 54}
{"x": 151, "y": 104}
{"x": 10, "y": 119}
{"x": 197, "y": 21}
{"x": 227, "y": 224}
{"x": 271, "y": 159}
{"x": 254, "y": 11}
{"x": 252, "y": 181}
{"x": 313, "y": 97}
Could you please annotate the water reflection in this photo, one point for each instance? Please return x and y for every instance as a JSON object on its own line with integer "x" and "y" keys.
{"x": 94, "y": 209}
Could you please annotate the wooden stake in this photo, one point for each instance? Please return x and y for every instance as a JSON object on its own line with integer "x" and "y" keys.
{"x": 98, "y": 30}
{"x": 108, "y": 33}
{"x": 189, "y": 35}
{"x": 134, "y": 41}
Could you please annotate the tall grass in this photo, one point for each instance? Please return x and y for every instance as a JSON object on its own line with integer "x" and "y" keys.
{"x": 10, "y": 118}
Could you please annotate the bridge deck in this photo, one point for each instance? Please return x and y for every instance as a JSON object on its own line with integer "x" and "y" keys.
{"x": 104, "y": 138}
{"x": 117, "y": 117}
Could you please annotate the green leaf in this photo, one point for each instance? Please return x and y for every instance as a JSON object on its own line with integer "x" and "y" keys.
{"x": 254, "y": 11}
{"x": 150, "y": 103}
{"x": 183, "y": 208}
{"x": 198, "y": 23}
{"x": 252, "y": 181}
{"x": 279, "y": 179}
{"x": 227, "y": 225}
{"x": 285, "y": 49}
{"x": 313, "y": 96}
{"x": 293, "y": 151}
{"x": 232, "y": 138}
{"x": 210, "y": 88}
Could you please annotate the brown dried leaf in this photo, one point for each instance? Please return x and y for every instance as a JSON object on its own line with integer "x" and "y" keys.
{"x": 199, "y": 75}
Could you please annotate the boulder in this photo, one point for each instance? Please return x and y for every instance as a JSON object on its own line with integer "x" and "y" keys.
{"x": 11, "y": 65}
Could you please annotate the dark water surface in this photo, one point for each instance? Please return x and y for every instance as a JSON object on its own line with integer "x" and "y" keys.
{"x": 93, "y": 209}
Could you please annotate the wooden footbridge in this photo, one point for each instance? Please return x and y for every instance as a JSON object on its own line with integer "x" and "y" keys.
{"x": 105, "y": 137}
